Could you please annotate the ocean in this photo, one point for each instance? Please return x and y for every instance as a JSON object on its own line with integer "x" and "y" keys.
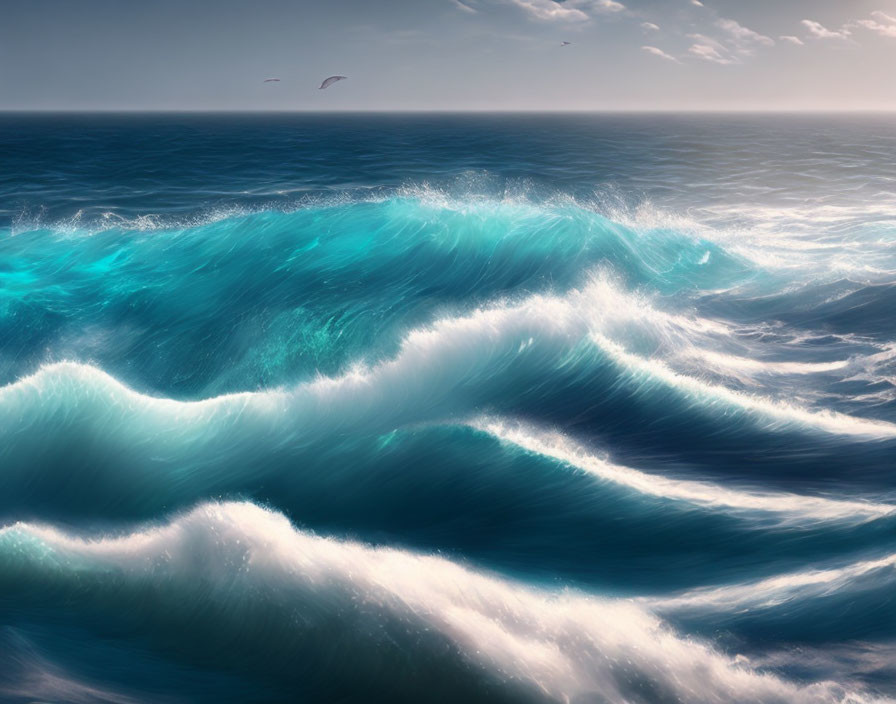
{"x": 446, "y": 407}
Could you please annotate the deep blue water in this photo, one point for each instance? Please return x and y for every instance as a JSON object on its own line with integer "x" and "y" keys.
{"x": 320, "y": 408}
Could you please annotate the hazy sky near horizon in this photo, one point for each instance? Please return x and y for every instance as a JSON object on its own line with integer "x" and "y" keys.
{"x": 448, "y": 54}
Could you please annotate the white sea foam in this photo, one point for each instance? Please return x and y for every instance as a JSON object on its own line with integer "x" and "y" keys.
{"x": 768, "y": 237}
{"x": 81, "y": 224}
{"x": 440, "y": 370}
{"x": 789, "y": 507}
{"x": 779, "y": 590}
{"x": 560, "y": 646}
{"x": 823, "y": 241}
{"x": 746, "y": 364}
{"x": 774, "y": 411}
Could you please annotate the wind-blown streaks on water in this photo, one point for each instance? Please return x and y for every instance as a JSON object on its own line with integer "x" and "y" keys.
{"x": 502, "y": 409}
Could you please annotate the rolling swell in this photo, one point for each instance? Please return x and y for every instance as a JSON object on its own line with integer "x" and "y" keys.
{"x": 544, "y": 352}
{"x": 331, "y": 282}
{"x": 533, "y": 502}
{"x": 276, "y": 590}
{"x": 275, "y": 445}
{"x": 854, "y": 600}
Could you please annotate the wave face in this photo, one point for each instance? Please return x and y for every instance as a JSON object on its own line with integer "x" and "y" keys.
{"x": 571, "y": 409}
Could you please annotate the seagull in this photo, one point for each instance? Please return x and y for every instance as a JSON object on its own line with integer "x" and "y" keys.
{"x": 565, "y": 43}
{"x": 271, "y": 80}
{"x": 330, "y": 81}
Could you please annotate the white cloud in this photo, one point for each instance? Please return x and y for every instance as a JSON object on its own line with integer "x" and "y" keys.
{"x": 816, "y": 29}
{"x": 711, "y": 52}
{"x": 737, "y": 43}
{"x": 659, "y": 52}
{"x": 742, "y": 36}
{"x": 883, "y": 24}
{"x": 550, "y": 10}
{"x": 570, "y": 11}
{"x": 650, "y": 26}
{"x": 608, "y": 5}
{"x": 464, "y": 7}
{"x": 793, "y": 40}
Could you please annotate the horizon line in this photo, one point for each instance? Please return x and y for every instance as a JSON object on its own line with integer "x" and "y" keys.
{"x": 450, "y": 111}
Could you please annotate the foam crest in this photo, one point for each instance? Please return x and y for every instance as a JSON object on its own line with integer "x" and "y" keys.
{"x": 780, "y": 590}
{"x": 820, "y": 241}
{"x": 559, "y": 646}
{"x": 440, "y": 371}
{"x": 788, "y": 507}
{"x": 771, "y": 411}
{"x": 81, "y": 224}
{"x": 425, "y": 196}
{"x": 606, "y": 314}
{"x": 763, "y": 237}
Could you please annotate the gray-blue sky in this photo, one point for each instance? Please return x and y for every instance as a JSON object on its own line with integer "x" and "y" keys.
{"x": 448, "y": 54}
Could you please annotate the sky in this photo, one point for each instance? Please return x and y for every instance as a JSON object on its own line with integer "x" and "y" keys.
{"x": 448, "y": 54}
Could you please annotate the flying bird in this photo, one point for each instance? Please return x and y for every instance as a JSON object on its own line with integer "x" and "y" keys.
{"x": 330, "y": 81}
{"x": 271, "y": 80}
{"x": 565, "y": 43}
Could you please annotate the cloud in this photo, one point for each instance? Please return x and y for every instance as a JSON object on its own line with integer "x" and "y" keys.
{"x": 883, "y": 24}
{"x": 608, "y": 5}
{"x": 570, "y": 11}
{"x": 659, "y": 52}
{"x": 650, "y": 26}
{"x": 793, "y": 40}
{"x": 464, "y": 7}
{"x": 550, "y": 10}
{"x": 737, "y": 43}
{"x": 818, "y": 30}
{"x": 743, "y": 37}
{"x": 709, "y": 49}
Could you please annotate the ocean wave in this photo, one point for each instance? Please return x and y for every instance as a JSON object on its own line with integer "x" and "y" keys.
{"x": 782, "y": 590}
{"x": 789, "y": 507}
{"x": 439, "y": 371}
{"x": 770, "y": 410}
{"x": 82, "y": 224}
{"x": 213, "y": 573}
{"x": 557, "y": 498}
{"x": 832, "y": 241}
{"x": 801, "y": 607}
{"x": 512, "y": 359}
{"x": 331, "y": 282}
{"x": 314, "y": 304}
{"x": 511, "y": 232}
